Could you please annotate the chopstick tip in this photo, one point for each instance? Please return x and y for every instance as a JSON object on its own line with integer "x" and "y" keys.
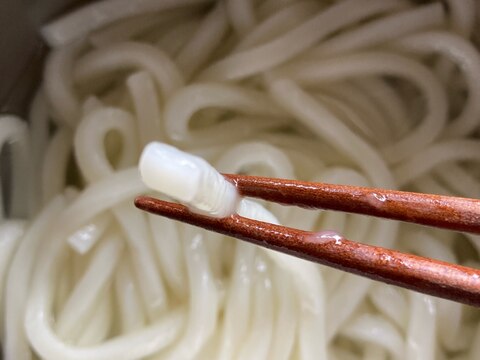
{"x": 141, "y": 202}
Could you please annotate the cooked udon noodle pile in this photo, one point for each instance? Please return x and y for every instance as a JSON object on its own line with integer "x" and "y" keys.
{"x": 382, "y": 93}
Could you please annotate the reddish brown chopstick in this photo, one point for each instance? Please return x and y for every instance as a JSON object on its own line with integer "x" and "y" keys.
{"x": 432, "y": 277}
{"x": 445, "y": 212}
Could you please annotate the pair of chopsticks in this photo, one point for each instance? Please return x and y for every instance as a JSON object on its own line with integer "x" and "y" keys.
{"x": 432, "y": 277}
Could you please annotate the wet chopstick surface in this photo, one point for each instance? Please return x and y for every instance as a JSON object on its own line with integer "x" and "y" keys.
{"x": 432, "y": 277}
{"x": 452, "y": 213}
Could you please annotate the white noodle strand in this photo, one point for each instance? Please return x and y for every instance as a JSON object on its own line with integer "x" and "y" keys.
{"x": 285, "y": 47}
{"x": 84, "y": 295}
{"x": 93, "y": 16}
{"x": 204, "y": 41}
{"x": 14, "y": 133}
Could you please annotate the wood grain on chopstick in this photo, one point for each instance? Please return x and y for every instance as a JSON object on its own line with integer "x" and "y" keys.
{"x": 445, "y": 212}
{"x": 432, "y": 277}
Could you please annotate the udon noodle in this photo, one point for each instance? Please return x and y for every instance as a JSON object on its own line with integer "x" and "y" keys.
{"x": 382, "y": 93}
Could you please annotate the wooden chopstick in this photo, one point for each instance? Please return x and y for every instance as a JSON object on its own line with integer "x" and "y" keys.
{"x": 432, "y": 277}
{"x": 446, "y": 212}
